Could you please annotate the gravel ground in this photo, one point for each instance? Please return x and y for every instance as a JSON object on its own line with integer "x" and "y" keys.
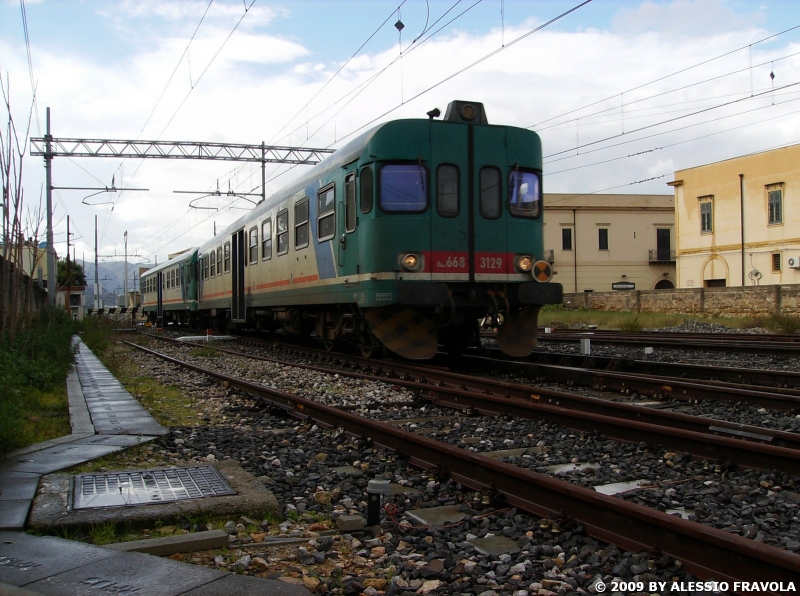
{"x": 299, "y": 465}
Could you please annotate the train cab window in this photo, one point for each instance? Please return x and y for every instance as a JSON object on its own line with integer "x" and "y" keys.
{"x": 490, "y": 193}
{"x": 403, "y": 188}
{"x": 350, "y": 203}
{"x": 227, "y": 256}
{"x": 253, "y": 246}
{"x": 219, "y": 260}
{"x": 524, "y": 194}
{"x": 326, "y": 220}
{"x": 301, "y": 224}
{"x": 365, "y": 184}
{"x": 266, "y": 239}
{"x": 282, "y": 232}
{"x": 447, "y": 204}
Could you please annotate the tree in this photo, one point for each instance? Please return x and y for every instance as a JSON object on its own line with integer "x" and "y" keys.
{"x": 76, "y": 275}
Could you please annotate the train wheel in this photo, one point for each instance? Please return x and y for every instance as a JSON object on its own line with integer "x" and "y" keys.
{"x": 517, "y": 336}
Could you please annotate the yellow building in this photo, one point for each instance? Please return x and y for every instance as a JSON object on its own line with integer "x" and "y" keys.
{"x": 610, "y": 242}
{"x": 737, "y": 221}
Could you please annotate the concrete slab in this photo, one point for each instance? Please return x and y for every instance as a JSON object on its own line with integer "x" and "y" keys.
{"x": 46, "y": 445}
{"x": 616, "y": 488}
{"x": 437, "y": 516}
{"x": 561, "y": 468}
{"x": 243, "y": 585}
{"x": 25, "y": 559}
{"x": 118, "y": 440}
{"x": 349, "y": 470}
{"x": 128, "y": 573}
{"x": 399, "y": 489}
{"x": 18, "y": 485}
{"x": 50, "y": 507}
{"x": 56, "y": 458}
{"x": 495, "y": 545}
{"x": 13, "y": 514}
{"x": 6, "y": 590}
{"x": 169, "y": 545}
{"x": 519, "y": 452}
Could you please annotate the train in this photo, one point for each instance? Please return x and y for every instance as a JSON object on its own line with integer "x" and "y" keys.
{"x": 404, "y": 239}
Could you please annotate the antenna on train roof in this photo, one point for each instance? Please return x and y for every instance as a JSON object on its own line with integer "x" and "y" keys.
{"x": 434, "y": 113}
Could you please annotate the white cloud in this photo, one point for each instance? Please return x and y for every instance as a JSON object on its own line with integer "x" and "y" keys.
{"x": 685, "y": 17}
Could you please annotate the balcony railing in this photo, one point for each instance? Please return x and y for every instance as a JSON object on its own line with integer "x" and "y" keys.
{"x": 550, "y": 255}
{"x": 662, "y": 256}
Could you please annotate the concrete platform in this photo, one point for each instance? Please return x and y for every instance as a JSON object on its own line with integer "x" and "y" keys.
{"x": 105, "y": 418}
{"x": 56, "y": 567}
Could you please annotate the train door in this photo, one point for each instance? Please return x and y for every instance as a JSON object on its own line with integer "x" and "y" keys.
{"x": 489, "y": 229}
{"x": 451, "y": 222}
{"x": 348, "y": 260}
{"x": 238, "y": 311}
{"x": 160, "y": 294}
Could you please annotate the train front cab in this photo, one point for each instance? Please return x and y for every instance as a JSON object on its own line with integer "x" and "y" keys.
{"x": 457, "y": 220}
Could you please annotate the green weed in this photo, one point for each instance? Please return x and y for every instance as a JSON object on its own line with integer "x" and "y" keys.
{"x": 100, "y": 534}
{"x": 784, "y": 323}
{"x": 629, "y": 325}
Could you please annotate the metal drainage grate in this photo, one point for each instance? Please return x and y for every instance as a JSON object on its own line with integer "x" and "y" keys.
{"x": 147, "y": 487}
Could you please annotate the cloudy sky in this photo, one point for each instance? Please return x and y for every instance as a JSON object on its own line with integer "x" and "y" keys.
{"x": 623, "y": 93}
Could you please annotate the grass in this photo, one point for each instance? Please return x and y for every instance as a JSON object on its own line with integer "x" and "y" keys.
{"x": 631, "y": 321}
{"x": 205, "y": 352}
{"x": 33, "y": 369}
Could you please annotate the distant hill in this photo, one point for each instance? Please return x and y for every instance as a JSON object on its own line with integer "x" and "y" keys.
{"x": 112, "y": 276}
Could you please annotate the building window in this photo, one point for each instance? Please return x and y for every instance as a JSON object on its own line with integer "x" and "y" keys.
{"x": 776, "y": 261}
{"x": 282, "y": 232}
{"x": 227, "y": 256}
{"x": 266, "y": 239}
{"x": 775, "y": 200}
{"x": 253, "y": 246}
{"x": 706, "y": 221}
{"x": 350, "y": 219}
{"x": 602, "y": 238}
{"x": 566, "y": 238}
{"x": 326, "y": 216}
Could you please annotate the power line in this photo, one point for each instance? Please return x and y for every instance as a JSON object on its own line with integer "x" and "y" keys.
{"x": 677, "y": 72}
{"x": 722, "y": 105}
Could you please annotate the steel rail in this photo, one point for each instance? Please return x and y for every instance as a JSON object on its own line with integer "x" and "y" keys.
{"x": 704, "y": 438}
{"x": 778, "y": 348}
{"x": 744, "y": 376}
{"x": 704, "y": 551}
{"x": 757, "y": 337}
{"x": 661, "y": 387}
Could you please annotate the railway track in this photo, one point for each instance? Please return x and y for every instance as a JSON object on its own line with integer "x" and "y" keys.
{"x": 783, "y": 345}
{"x": 704, "y": 551}
{"x": 748, "y": 446}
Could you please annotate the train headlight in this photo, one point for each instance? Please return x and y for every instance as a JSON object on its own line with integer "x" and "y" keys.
{"x": 410, "y": 262}
{"x": 523, "y": 263}
{"x": 468, "y": 112}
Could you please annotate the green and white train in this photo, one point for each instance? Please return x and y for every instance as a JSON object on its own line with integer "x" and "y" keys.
{"x": 404, "y": 238}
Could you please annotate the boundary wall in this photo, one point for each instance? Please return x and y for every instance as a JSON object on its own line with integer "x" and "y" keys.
{"x": 733, "y": 301}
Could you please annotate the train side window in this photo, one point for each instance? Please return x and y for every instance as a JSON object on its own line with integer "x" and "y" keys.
{"x": 266, "y": 239}
{"x": 205, "y": 267}
{"x": 227, "y": 256}
{"x": 366, "y": 189}
{"x": 301, "y": 224}
{"x": 326, "y": 220}
{"x": 213, "y": 263}
{"x": 253, "y": 245}
{"x": 163, "y": 282}
{"x": 447, "y": 203}
{"x": 524, "y": 194}
{"x": 282, "y": 232}
{"x": 350, "y": 217}
{"x": 490, "y": 193}
{"x": 403, "y": 188}
{"x": 219, "y": 260}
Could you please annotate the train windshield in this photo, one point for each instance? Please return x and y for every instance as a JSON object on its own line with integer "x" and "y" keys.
{"x": 525, "y": 194}
{"x": 404, "y": 187}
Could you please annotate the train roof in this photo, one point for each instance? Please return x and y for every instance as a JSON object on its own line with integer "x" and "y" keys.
{"x": 339, "y": 158}
{"x": 184, "y": 256}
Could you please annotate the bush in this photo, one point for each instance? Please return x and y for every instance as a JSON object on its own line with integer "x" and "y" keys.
{"x": 633, "y": 325}
{"x": 96, "y": 334}
{"x": 35, "y": 361}
{"x": 784, "y": 323}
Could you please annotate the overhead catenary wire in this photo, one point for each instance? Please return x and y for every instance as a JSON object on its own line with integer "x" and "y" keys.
{"x": 677, "y": 72}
